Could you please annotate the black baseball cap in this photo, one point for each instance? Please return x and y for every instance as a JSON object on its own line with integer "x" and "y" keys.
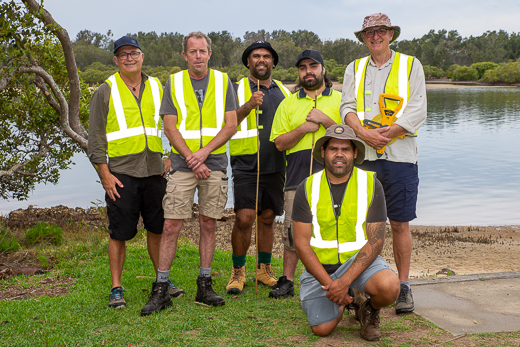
{"x": 256, "y": 45}
{"x": 126, "y": 41}
{"x": 310, "y": 54}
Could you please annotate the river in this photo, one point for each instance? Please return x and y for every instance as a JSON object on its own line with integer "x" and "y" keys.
{"x": 469, "y": 163}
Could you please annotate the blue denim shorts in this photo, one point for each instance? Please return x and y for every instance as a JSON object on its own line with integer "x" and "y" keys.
{"x": 400, "y": 182}
{"x": 318, "y": 308}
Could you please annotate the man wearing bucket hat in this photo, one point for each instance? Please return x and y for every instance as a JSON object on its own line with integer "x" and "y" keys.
{"x": 402, "y": 76}
{"x": 339, "y": 217}
{"x": 124, "y": 123}
{"x": 299, "y": 121}
{"x": 257, "y": 90}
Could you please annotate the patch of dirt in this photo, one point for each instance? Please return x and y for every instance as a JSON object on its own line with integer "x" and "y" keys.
{"x": 43, "y": 286}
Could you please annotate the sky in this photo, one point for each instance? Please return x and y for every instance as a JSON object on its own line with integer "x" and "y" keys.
{"x": 330, "y": 20}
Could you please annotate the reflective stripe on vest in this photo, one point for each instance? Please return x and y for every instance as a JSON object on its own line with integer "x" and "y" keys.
{"x": 189, "y": 113}
{"x": 124, "y": 122}
{"x": 245, "y": 139}
{"x": 396, "y": 83}
{"x": 327, "y": 244}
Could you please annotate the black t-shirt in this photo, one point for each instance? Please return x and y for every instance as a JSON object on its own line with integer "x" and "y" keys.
{"x": 271, "y": 159}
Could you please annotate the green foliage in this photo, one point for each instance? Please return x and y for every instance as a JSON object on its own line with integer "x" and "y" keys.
{"x": 161, "y": 72}
{"x": 44, "y": 232}
{"x": 465, "y": 73}
{"x": 8, "y": 241}
{"x": 97, "y": 73}
{"x": 505, "y": 73}
{"x": 334, "y": 70}
{"x": 432, "y": 72}
{"x": 451, "y": 69}
{"x": 483, "y": 67}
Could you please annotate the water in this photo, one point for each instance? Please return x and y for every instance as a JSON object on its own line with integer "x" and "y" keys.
{"x": 468, "y": 163}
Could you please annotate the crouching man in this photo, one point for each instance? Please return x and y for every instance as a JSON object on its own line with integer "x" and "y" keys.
{"x": 339, "y": 217}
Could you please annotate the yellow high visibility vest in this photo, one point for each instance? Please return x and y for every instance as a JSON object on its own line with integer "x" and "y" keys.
{"x": 398, "y": 82}
{"x": 245, "y": 140}
{"x": 189, "y": 114}
{"x": 130, "y": 126}
{"x": 336, "y": 241}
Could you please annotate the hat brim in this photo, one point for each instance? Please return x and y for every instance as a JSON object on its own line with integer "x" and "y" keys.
{"x": 396, "y": 29}
{"x": 249, "y": 49}
{"x": 358, "y": 143}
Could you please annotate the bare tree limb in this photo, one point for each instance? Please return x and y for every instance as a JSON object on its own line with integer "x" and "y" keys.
{"x": 40, "y": 84}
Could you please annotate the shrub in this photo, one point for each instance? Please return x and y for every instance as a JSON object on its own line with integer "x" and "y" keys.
{"x": 44, "y": 232}
{"x": 432, "y": 72}
{"x": 505, "y": 73}
{"x": 483, "y": 67}
{"x": 465, "y": 73}
{"x": 8, "y": 241}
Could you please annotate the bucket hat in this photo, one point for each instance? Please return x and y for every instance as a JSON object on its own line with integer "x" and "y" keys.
{"x": 342, "y": 132}
{"x": 378, "y": 20}
{"x": 256, "y": 45}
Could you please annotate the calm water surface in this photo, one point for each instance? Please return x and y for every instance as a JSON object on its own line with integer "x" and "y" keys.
{"x": 469, "y": 162}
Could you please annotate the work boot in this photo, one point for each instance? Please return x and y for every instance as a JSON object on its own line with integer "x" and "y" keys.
{"x": 265, "y": 275}
{"x": 282, "y": 289}
{"x": 205, "y": 293}
{"x": 358, "y": 298}
{"x": 174, "y": 291}
{"x": 237, "y": 280}
{"x": 116, "y": 299}
{"x": 404, "y": 302}
{"x": 159, "y": 299}
{"x": 369, "y": 320}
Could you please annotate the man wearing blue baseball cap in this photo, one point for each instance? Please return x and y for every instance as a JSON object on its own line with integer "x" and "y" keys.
{"x": 124, "y": 124}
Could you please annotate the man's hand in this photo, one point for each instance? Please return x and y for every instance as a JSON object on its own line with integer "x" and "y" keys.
{"x": 197, "y": 158}
{"x": 202, "y": 172}
{"x": 309, "y": 127}
{"x": 256, "y": 100}
{"x": 167, "y": 166}
{"x": 337, "y": 292}
{"x": 109, "y": 184}
{"x": 317, "y": 116}
{"x": 376, "y": 138}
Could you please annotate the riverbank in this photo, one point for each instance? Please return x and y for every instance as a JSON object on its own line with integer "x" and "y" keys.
{"x": 461, "y": 249}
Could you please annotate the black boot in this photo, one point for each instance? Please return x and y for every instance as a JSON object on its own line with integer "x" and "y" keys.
{"x": 205, "y": 293}
{"x": 159, "y": 299}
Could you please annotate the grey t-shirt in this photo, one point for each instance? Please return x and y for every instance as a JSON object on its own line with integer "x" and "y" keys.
{"x": 214, "y": 162}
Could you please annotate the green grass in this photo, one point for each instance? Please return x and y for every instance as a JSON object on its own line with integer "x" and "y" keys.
{"x": 83, "y": 318}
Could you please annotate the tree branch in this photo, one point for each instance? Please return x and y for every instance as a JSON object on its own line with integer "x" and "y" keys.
{"x": 40, "y": 84}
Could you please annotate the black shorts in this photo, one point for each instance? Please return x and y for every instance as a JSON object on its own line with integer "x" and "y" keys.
{"x": 142, "y": 195}
{"x": 270, "y": 192}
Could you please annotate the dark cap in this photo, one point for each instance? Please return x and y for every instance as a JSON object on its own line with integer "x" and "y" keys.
{"x": 126, "y": 41}
{"x": 310, "y": 54}
{"x": 342, "y": 132}
{"x": 256, "y": 45}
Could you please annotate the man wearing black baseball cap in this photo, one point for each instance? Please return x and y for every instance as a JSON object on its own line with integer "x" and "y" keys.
{"x": 339, "y": 218}
{"x": 299, "y": 121}
{"x": 257, "y": 90}
{"x": 123, "y": 123}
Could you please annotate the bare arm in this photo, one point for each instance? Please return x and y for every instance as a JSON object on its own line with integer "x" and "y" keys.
{"x": 302, "y": 241}
{"x": 317, "y": 116}
{"x": 338, "y": 290}
{"x": 289, "y": 140}
{"x": 375, "y": 138}
{"x": 109, "y": 181}
{"x": 256, "y": 100}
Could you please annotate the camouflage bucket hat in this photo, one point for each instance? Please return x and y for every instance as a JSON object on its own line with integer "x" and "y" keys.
{"x": 378, "y": 20}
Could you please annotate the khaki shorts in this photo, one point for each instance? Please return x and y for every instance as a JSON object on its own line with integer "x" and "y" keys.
{"x": 178, "y": 201}
{"x": 287, "y": 234}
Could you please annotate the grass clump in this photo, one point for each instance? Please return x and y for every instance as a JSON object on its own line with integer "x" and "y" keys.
{"x": 8, "y": 241}
{"x": 44, "y": 232}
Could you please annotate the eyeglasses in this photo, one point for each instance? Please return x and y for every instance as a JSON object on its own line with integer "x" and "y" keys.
{"x": 124, "y": 55}
{"x": 380, "y": 32}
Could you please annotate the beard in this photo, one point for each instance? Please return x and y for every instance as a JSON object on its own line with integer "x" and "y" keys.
{"x": 339, "y": 171}
{"x": 312, "y": 84}
{"x": 261, "y": 75}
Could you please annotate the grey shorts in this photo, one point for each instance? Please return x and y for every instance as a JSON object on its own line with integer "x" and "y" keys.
{"x": 318, "y": 308}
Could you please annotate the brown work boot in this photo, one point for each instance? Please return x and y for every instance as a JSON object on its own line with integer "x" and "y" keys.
{"x": 205, "y": 293}
{"x": 369, "y": 320}
{"x": 265, "y": 275}
{"x": 359, "y": 298}
{"x": 237, "y": 280}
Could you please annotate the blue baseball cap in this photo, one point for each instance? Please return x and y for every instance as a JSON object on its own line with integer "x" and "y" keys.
{"x": 126, "y": 41}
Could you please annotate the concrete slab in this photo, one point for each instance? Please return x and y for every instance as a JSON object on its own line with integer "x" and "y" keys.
{"x": 470, "y": 303}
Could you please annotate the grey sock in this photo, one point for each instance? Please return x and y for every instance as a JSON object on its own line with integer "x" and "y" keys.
{"x": 406, "y": 283}
{"x": 162, "y": 276}
{"x": 205, "y": 272}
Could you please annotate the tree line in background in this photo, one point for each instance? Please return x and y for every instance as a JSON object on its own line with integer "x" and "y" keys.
{"x": 491, "y": 57}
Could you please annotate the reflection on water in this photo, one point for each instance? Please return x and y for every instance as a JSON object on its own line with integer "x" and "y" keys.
{"x": 468, "y": 162}
{"x": 468, "y": 158}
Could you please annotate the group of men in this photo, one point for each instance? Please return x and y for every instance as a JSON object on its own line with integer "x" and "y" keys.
{"x": 308, "y": 153}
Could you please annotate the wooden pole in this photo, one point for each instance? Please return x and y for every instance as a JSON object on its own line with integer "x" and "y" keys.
{"x": 257, "y": 113}
{"x": 312, "y": 150}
